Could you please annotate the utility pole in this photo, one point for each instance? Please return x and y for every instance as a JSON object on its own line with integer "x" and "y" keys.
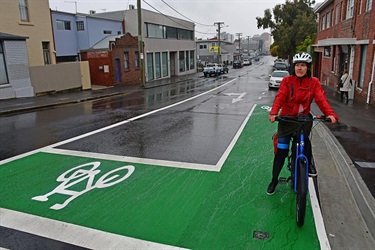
{"x": 248, "y": 45}
{"x": 239, "y": 45}
{"x": 140, "y": 43}
{"x": 218, "y": 30}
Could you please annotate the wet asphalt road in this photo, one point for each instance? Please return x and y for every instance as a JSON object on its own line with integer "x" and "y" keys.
{"x": 179, "y": 130}
{"x": 29, "y": 131}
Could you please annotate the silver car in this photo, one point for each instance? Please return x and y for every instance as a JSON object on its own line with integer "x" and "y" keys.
{"x": 276, "y": 77}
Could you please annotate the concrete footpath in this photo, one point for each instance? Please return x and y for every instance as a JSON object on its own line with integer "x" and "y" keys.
{"x": 347, "y": 205}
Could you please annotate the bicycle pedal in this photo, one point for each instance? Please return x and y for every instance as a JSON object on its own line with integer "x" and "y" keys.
{"x": 283, "y": 180}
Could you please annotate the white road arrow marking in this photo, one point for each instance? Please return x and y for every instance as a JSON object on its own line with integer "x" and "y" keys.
{"x": 239, "y": 98}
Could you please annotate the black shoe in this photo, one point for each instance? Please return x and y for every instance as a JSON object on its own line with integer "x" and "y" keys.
{"x": 312, "y": 171}
{"x": 271, "y": 188}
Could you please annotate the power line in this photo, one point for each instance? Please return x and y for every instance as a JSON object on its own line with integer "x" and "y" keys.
{"x": 163, "y": 14}
{"x": 184, "y": 15}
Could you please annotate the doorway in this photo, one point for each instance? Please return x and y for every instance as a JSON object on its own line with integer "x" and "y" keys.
{"x": 118, "y": 70}
{"x": 172, "y": 60}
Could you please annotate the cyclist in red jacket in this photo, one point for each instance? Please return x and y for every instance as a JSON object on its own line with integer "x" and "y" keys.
{"x": 294, "y": 98}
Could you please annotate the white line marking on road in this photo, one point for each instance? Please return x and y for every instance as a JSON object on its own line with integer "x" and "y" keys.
{"x": 223, "y": 158}
{"x": 174, "y": 164}
{"x": 163, "y": 163}
{"x": 318, "y": 218}
{"x": 110, "y": 126}
{"x": 73, "y": 234}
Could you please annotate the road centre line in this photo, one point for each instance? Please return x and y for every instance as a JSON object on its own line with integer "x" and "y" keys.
{"x": 110, "y": 126}
{"x": 73, "y": 234}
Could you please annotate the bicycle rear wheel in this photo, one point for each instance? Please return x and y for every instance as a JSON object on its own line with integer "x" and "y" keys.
{"x": 301, "y": 193}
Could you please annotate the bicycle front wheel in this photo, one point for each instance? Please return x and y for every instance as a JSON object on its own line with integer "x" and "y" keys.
{"x": 301, "y": 192}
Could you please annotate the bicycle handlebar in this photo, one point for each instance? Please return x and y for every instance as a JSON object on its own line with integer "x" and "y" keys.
{"x": 304, "y": 118}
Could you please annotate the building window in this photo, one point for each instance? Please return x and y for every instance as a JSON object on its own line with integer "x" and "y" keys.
{"x": 185, "y": 34}
{"x": 192, "y": 61}
{"x": 136, "y": 59}
{"x": 80, "y": 26}
{"x": 187, "y": 60}
{"x": 337, "y": 14}
{"x": 165, "y": 63}
{"x": 328, "y": 20}
{"x": 3, "y": 71}
{"x": 155, "y": 31}
{"x": 46, "y": 53}
{"x": 203, "y": 46}
{"x": 172, "y": 33}
{"x": 63, "y": 25}
{"x": 327, "y": 51}
{"x": 24, "y": 10}
{"x": 349, "y": 9}
{"x": 323, "y": 23}
{"x": 157, "y": 65}
{"x": 150, "y": 66}
{"x": 107, "y": 32}
{"x": 181, "y": 61}
{"x": 368, "y": 5}
{"x": 126, "y": 60}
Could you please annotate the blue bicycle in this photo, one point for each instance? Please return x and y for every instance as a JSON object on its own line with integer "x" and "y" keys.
{"x": 298, "y": 163}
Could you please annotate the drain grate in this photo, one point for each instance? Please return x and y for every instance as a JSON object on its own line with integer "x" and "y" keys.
{"x": 261, "y": 235}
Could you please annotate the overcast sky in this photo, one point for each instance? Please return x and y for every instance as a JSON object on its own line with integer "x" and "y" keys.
{"x": 239, "y": 16}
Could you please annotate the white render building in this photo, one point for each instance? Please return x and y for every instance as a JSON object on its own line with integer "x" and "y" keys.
{"x": 169, "y": 45}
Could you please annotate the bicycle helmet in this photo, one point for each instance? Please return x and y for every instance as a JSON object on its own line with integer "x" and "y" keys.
{"x": 302, "y": 57}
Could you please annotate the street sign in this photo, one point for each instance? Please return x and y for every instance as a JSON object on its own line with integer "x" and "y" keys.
{"x": 213, "y": 49}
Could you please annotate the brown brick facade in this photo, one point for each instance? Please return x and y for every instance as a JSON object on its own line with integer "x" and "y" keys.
{"x": 342, "y": 45}
{"x": 113, "y": 59}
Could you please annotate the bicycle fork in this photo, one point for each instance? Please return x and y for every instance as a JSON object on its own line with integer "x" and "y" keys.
{"x": 300, "y": 159}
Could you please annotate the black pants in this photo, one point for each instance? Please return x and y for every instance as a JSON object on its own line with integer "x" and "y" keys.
{"x": 282, "y": 153}
{"x": 346, "y": 93}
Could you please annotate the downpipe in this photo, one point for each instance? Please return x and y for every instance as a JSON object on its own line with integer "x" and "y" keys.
{"x": 371, "y": 82}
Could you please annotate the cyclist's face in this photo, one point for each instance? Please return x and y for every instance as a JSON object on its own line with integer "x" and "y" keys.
{"x": 300, "y": 69}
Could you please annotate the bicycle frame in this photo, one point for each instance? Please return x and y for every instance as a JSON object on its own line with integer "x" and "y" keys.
{"x": 298, "y": 162}
{"x": 299, "y": 155}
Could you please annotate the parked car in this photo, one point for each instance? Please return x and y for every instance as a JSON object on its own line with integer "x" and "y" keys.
{"x": 237, "y": 64}
{"x": 212, "y": 69}
{"x": 276, "y": 77}
{"x": 280, "y": 66}
{"x": 246, "y": 62}
{"x": 224, "y": 68}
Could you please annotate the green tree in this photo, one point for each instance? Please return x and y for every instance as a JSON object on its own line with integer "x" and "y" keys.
{"x": 292, "y": 24}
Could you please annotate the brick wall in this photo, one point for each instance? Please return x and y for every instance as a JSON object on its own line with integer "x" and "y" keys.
{"x": 99, "y": 58}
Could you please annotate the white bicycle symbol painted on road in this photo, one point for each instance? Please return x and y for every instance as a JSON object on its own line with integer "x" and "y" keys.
{"x": 268, "y": 108}
{"x": 80, "y": 173}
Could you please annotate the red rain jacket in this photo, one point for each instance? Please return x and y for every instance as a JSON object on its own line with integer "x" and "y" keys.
{"x": 296, "y": 94}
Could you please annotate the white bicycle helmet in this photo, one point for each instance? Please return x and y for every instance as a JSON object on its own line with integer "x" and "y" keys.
{"x": 302, "y": 57}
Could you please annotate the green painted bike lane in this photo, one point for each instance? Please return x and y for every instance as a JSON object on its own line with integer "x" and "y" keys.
{"x": 193, "y": 209}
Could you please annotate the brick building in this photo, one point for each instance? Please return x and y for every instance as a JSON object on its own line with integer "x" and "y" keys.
{"x": 345, "y": 41}
{"x": 114, "y": 60}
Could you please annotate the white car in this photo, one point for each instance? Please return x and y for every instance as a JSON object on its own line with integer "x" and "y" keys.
{"x": 276, "y": 77}
{"x": 246, "y": 62}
